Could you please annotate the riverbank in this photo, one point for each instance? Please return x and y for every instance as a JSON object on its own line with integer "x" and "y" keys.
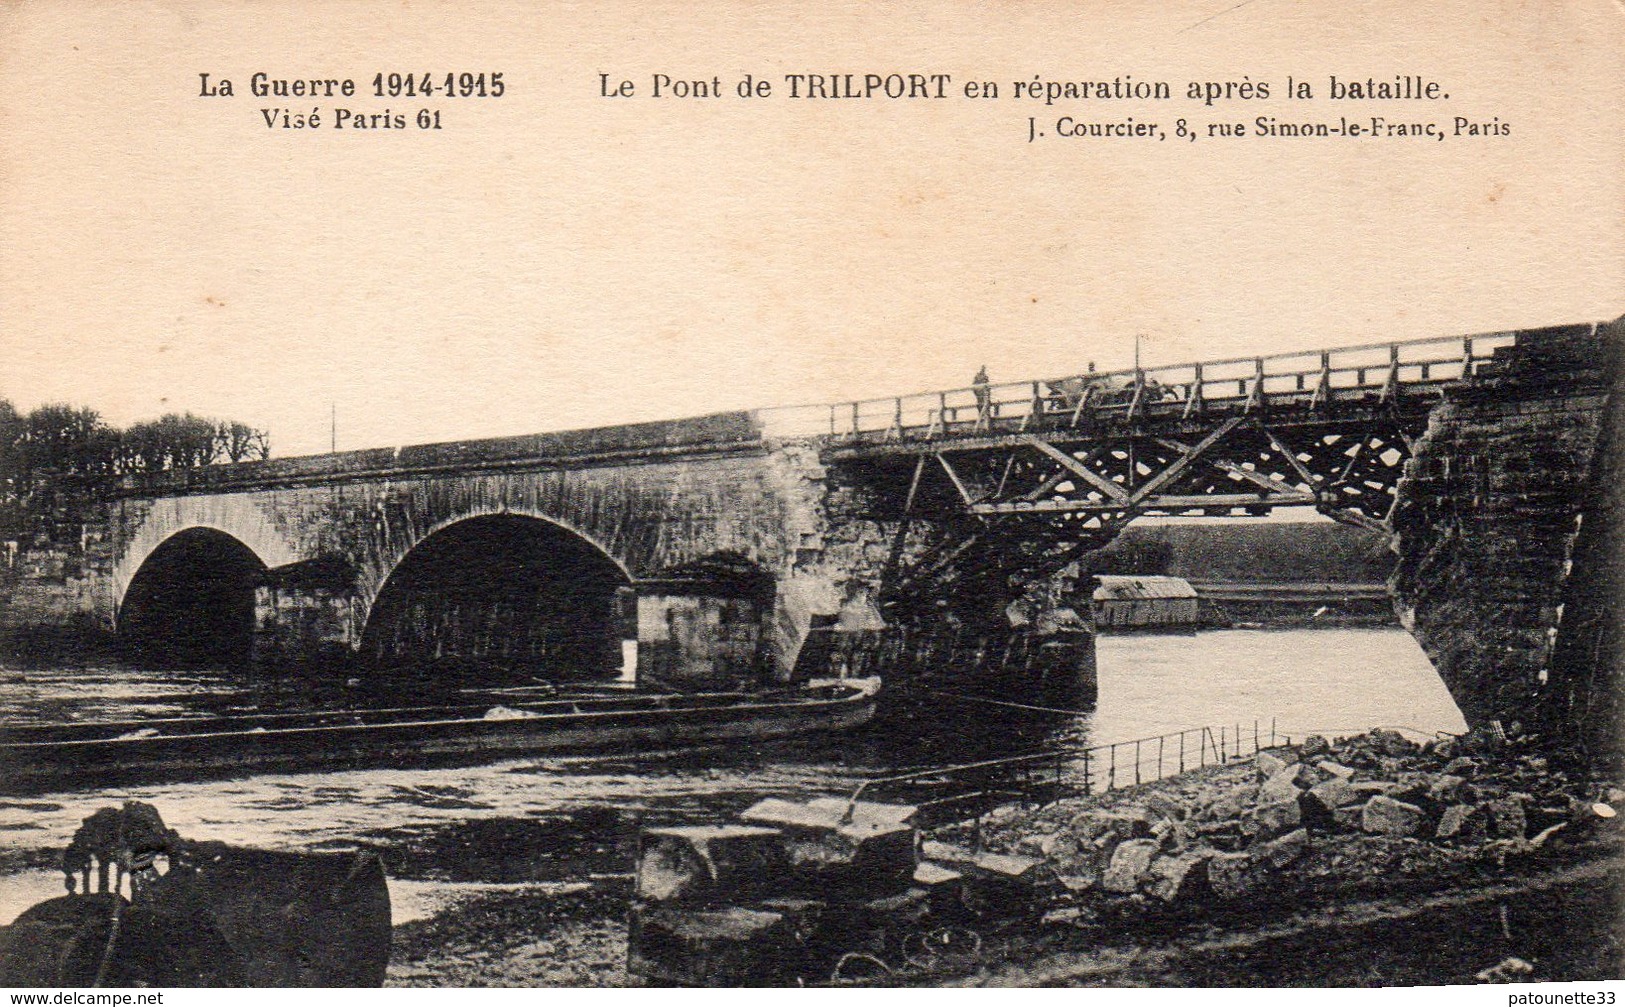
{"x": 1200, "y": 879}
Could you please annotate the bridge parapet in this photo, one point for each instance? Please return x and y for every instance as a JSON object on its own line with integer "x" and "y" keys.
{"x": 627, "y": 444}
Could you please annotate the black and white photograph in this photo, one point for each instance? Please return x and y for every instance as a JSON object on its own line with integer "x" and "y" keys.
{"x": 756, "y": 494}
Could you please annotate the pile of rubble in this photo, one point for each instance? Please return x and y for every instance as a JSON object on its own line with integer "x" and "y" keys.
{"x": 1246, "y": 836}
{"x": 797, "y": 892}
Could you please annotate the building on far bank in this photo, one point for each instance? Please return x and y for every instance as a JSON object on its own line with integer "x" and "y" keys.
{"x": 1129, "y": 601}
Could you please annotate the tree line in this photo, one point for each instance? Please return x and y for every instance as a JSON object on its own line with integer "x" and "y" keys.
{"x": 57, "y": 459}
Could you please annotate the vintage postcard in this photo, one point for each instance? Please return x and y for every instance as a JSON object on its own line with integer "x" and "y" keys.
{"x": 766, "y": 494}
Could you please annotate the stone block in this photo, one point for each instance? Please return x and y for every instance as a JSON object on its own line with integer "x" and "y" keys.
{"x": 1385, "y": 816}
{"x": 875, "y": 852}
{"x": 1179, "y": 879}
{"x": 1331, "y": 794}
{"x": 874, "y": 856}
{"x": 943, "y": 886}
{"x": 1335, "y": 769}
{"x": 865, "y": 811}
{"x": 1367, "y": 788}
{"x": 946, "y": 853}
{"x": 1273, "y": 760}
{"x": 1233, "y": 804}
{"x": 1058, "y": 846}
{"x": 1129, "y": 865}
{"x": 1463, "y": 823}
{"x": 1000, "y": 884}
{"x": 1132, "y": 822}
{"x": 1448, "y": 788}
{"x": 1275, "y": 818}
{"x": 709, "y": 863}
{"x": 1285, "y": 850}
{"x": 1314, "y": 747}
{"x": 725, "y": 947}
{"x": 1286, "y": 784}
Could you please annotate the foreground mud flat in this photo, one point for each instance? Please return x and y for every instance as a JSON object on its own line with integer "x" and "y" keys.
{"x": 1369, "y": 861}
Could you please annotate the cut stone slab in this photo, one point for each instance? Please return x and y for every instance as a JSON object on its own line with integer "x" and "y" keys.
{"x": 1385, "y": 816}
{"x": 725, "y": 947}
{"x": 707, "y": 863}
{"x": 867, "y": 811}
{"x": 1001, "y": 884}
{"x": 943, "y": 886}
{"x": 779, "y": 813}
{"x": 946, "y": 853}
{"x": 875, "y": 852}
{"x": 1129, "y": 865}
{"x": 1003, "y": 867}
{"x": 929, "y": 875}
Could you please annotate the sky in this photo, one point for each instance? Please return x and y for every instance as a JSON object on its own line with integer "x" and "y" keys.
{"x": 554, "y": 258}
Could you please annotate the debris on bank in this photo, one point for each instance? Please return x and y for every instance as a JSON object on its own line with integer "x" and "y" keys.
{"x": 831, "y": 891}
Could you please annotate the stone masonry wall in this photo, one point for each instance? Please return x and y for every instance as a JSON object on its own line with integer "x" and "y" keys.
{"x": 1487, "y": 516}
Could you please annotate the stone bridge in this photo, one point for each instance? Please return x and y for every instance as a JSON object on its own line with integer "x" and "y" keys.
{"x": 725, "y": 545}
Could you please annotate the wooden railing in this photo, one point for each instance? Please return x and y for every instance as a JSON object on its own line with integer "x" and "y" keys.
{"x": 1374, "y": 372}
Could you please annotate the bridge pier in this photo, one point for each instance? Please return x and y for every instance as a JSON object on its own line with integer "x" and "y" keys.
{"x": 697, "y": 641}
{"x": 304, "y": 616}
{"x": 1487, "y": 521}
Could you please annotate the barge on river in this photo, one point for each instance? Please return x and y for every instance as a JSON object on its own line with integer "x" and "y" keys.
{"x": 36, "y": 756}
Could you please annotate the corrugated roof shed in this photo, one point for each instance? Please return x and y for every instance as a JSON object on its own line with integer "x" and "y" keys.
{"x": 1119, "y": 588}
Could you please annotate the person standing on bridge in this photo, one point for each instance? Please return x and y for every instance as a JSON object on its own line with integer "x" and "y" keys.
{"x": 983, "y": 398}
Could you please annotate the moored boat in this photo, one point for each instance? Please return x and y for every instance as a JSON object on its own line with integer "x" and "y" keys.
{"x": 35, "y": 756}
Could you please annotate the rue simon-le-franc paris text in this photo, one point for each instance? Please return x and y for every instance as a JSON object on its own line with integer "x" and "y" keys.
{"x": 1402, "y": 107}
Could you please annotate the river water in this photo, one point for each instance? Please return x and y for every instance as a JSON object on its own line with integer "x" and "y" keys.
{"x": 447, "y": 833}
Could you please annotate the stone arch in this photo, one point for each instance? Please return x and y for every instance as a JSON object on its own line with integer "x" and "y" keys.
{"x": 192, "y": 601}
{"x": 371, "y": 577}
{"x": 235, "y": 515}
{"x": 505, "y": 591}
